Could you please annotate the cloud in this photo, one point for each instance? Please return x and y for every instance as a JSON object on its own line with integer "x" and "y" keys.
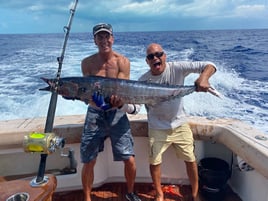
{"x": 251, "y": 10}
{"x": 172, "y": 9}
{"x": 133, "y": 15}
{"x": 36, "y": 7}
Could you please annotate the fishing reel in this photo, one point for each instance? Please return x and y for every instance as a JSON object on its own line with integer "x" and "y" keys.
{"x": 44, "y": 143}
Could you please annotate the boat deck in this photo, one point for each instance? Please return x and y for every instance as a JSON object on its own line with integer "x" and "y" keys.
{"x": 117, "y": 191}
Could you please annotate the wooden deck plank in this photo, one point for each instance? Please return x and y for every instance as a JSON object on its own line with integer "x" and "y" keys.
{"x": 117, "y": 191}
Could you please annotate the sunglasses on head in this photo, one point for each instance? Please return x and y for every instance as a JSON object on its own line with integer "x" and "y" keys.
{"x": 156, "y": 54}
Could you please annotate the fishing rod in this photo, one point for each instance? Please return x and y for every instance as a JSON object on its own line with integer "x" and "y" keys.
{"x": 53, "y": 101}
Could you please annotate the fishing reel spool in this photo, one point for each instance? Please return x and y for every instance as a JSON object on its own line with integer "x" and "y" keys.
{"x": 43, "y": 143}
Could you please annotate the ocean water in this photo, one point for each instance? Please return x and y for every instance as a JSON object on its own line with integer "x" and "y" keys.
{"x": 241, "y": 57}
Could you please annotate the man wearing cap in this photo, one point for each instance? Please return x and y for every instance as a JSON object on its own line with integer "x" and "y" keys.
{"x": 104, "y": 118}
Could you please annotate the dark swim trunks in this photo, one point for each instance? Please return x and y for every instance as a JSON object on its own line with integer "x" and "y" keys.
{"x": 98, "y": 126}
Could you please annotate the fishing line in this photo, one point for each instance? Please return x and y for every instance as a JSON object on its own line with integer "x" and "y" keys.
{"x": 54, "y": 96}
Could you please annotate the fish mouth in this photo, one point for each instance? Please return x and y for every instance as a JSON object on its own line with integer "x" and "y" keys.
{"x": 48, "y": 88}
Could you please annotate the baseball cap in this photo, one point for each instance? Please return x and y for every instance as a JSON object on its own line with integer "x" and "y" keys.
{"x": 102, "y": 27}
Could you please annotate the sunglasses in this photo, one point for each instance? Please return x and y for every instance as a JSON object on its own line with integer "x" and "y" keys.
{"x": 156, "y": 54}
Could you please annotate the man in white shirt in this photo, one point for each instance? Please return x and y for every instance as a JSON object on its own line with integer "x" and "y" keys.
{"x": 166, "y": 121}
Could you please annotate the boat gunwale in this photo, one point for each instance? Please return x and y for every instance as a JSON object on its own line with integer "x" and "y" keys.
{"x": 236, "y": 135}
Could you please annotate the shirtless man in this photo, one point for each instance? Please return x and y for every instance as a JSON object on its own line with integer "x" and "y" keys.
{"x": 100, "y": 122}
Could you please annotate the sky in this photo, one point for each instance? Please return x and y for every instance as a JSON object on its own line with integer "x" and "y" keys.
{"x": 50, "y": 16}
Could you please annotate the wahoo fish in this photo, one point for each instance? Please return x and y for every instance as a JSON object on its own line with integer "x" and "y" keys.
{"x": 130, "y": 91}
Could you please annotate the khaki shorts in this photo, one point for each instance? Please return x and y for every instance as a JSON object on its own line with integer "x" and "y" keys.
{"x": 181, "y": 139}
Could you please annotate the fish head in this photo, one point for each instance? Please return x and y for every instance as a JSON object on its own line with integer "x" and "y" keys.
{"x": 68, "y": 89}
{"x": 62, "y": 87}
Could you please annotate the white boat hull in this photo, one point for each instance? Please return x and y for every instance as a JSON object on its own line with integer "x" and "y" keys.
{"x": 221, "y": 138}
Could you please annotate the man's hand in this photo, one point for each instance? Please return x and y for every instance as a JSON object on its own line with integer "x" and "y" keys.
{"x": 202, "y": 85}
{"x": 116, "y": 101}
{"x": 100, "y": 101}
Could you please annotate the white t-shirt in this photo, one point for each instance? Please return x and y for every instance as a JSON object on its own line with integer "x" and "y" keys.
{"x": 170, "y": 114}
